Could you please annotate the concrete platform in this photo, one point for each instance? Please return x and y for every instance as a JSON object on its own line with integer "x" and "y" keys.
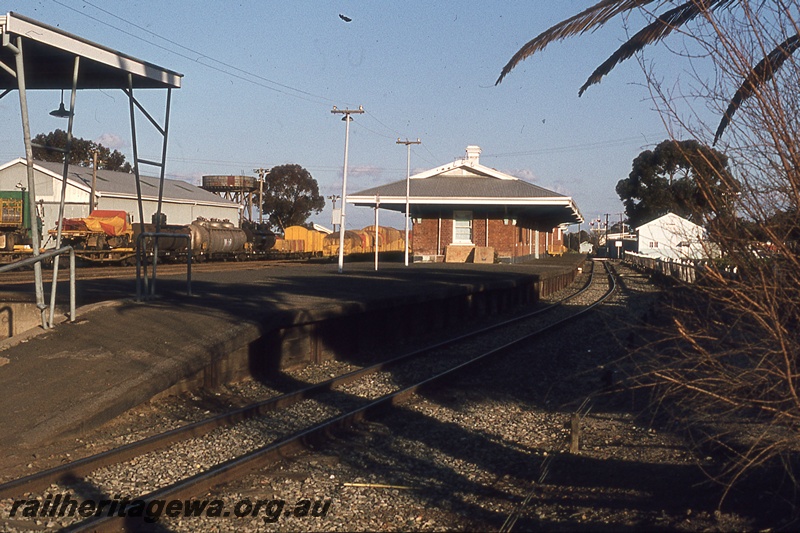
{"x": 248, "y": 322}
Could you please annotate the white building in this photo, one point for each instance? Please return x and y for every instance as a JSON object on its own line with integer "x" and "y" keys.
{"x": 182, "y": 202}
{"x": 673, "y": 237}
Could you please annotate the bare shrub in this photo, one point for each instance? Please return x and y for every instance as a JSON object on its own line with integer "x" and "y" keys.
{"x": 728, "y": 366}
{"x": 727, "y": 359}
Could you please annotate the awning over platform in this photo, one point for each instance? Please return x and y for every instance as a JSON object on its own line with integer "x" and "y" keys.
{"x": 36, "y": 56}
{"x": 49, "y": 54}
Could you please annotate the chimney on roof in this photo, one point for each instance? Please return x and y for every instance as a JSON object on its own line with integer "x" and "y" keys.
{"x": 473, "y": 153}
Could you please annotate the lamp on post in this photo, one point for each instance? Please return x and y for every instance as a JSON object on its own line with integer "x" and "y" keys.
{"x": 347, "y": 118}
{"x": 61, "y": 112}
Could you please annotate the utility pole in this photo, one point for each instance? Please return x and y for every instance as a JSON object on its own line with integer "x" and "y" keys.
{"x": 262, "y": 172}
{"x": 93, "y": 195}
{"x": 347, "y": 118}
{"x": 377, "y": 228}
{"x": 408, "y": 183}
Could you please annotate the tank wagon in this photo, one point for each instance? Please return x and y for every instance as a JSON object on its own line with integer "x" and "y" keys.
{"x": 108, "y": 236}
{"x": 260, "y": 238}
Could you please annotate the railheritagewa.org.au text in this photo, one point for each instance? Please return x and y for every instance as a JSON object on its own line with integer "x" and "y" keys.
{"x": 151, "y": 511}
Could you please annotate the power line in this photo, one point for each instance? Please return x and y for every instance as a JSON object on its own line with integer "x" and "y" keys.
{"x": 205, "y": 60}
{"x": 302, "y": 94}
{"x": 199, "y": 58}
{"x": 395, "y": 132}
{"x": 571, "y": 148}
{"x": 361, "y": 124}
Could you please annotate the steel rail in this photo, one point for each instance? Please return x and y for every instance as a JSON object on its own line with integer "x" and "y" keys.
{"x": 98, "y": 271}
{"x": 80, "y": 467}
{"x": 295, "y": 443}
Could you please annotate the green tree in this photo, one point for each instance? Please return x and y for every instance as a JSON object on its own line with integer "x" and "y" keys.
{"x": 80, "y": 152}
{"x": 291, "y": 194}
{"x": 681, "y": 177}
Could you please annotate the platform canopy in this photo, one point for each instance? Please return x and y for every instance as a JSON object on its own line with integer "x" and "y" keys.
{"x": 36, "y": 56}
{"x": 50, "y": 52}
{"x": 467, "y": 184}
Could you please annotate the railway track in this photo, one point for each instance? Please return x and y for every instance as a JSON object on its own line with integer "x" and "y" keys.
{"x": 17, "y": 277}
{"x": 284, "y": 425}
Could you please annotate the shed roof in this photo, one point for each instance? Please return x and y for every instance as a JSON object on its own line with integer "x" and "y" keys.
{"x": 123, "y": 185}
{"x": 670, "y": 220}
{"x": 472, "y": 185}
{"x": 49, "y": 54}
{"x": 465, "y": 183}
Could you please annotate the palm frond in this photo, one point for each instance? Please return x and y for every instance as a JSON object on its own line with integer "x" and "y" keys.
{"x": 652, "y": 33}
{"x": 761, "y": 74}
{"x": 588, "y": 19}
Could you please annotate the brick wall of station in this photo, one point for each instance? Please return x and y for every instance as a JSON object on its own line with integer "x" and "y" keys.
{"x": 430, "y": 237}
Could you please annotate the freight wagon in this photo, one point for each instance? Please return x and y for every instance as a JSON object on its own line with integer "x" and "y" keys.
{"x": 303, "y": 240}
{"x": 108, "y": 236}
{"x": 389, "y": 239}
{"x": 353, "y": 243}
{"x": 15, "y": 224}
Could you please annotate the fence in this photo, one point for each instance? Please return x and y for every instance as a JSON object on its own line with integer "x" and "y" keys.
{"x": 41, "y": 257}
{"x": 684, "y": 270}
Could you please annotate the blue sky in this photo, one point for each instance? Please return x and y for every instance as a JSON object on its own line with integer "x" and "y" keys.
{"x": 261, "y": 78}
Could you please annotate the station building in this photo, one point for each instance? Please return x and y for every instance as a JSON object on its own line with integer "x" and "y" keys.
{"x": 182, "y": 202}
{"x": 466, "y": 211}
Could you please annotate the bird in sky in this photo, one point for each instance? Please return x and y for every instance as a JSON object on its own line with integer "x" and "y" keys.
{"x": 346, "y": 19}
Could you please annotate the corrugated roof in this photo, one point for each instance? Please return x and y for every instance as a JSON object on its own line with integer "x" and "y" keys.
{"x": 467, "y": 183}
{"x": 112, "y": 183}
{"x": 49, "y": 55}
{"x": 444, "y": 186}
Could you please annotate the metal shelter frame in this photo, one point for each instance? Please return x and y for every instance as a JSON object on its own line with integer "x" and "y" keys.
{"x": 34, "y": 56}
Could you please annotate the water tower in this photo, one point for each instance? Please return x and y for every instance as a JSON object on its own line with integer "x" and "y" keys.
{"x": 240, "y": 189}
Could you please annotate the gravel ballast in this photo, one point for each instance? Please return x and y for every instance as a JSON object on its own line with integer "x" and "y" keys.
{"x": 488, "y": 452}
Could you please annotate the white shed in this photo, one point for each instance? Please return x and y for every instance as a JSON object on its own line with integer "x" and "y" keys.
{"x": 182, "y": 202}
{"x": 672, "y": 237}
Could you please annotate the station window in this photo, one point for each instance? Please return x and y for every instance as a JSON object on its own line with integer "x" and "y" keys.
{"x": 653, "y": 244}
{"x": 462, "y": 227}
